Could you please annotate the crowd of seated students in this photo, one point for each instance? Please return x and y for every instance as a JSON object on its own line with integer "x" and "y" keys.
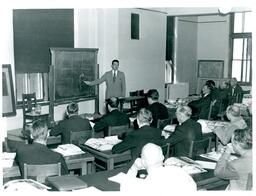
{"x": 186, "y": 131}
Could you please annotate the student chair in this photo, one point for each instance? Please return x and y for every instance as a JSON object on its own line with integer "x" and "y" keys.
{"x": 28, "y": 102}
{"x": 80, "y": 137}
{"x": 198, "y": 147}
{"x": 166, "y": 150}
{"x": 40, "y": 172}
{"x": 120, "y": 130}
{"x": 161, "y": 123}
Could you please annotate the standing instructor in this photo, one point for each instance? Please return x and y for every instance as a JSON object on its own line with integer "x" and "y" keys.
{"x": 115, "y": 81}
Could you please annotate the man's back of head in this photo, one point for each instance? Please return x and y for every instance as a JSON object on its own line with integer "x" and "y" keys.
{"x": 233, "y": 110}
{"x": 152, "y": 155}
{"x": 153, "y": 95}
{"x": 39, "y": 130}
{"x": 113, "y": 102}
{"x": 144, "y": 116}
{"x": 72, "y": 109}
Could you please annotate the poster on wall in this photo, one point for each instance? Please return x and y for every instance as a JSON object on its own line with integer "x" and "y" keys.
{"x": 8, "y": 99}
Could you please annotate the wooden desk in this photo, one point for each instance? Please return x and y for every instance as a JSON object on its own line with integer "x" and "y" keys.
{"x": 100, "y": 180}
{"x": 35, "y": 116}
{"x": 85, "y": 162}
{"x": 129, "y": 99}
{"x": 107, "y": 156}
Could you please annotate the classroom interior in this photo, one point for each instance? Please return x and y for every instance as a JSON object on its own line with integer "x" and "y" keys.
{"x": 165, "y": 56}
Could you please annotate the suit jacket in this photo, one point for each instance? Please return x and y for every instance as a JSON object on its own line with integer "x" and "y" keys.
{"x": 235, "y": 171}
{"x": 114, "y": 118}
{"x": 115, "y": 88}
{"x": 136, "y": 139}
{"x": 38, "y": 154}
{"x": 73, "y": 123}
{"x": 182, "y": 136}
{"x": 201, "y": 107}
{"x": 235, "y": 96}
{"x": 159, "y": 111}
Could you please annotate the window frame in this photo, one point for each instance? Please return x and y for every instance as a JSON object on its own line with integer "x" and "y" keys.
{"x": 232, "y": 37}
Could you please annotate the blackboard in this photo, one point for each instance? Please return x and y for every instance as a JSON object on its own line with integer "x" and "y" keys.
{"x": 70, "y": 67}
{"x": 35, "y": 31}
{"x": 210, "y": 68}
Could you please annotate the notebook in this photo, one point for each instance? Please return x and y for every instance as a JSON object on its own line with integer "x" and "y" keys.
{"x": 66, "y": 183}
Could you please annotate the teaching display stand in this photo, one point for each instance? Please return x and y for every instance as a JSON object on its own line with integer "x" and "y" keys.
{"x": 69, "y": 68}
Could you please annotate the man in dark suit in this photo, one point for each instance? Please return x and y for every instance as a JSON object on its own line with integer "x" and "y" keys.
{"x": 113, "y": 118}
{"x": 187, "y": 131}
{"x": 37, "y": 153}
{"x": 115, "y": 81}
{"x": 201, "y": 106}
{"x": 136, "y": 139}
{"x": 235, "y": 93}
{"x": 159, "y": 111}
{"x": 72, "y": 123}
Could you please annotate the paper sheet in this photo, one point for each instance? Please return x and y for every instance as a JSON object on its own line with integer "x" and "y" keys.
{"x": 206, "y": 164}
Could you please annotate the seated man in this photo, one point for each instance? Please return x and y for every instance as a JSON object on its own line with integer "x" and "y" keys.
{"x": 160, "y": 179}
{"x": 136, "y": 139}
{"x": 187, "y": 131}
{"x": 236, "y": 171}
{"x": 201, "y": 106}
{"x": 113, "y": 118}
{"x": 37, "y": 153}
{"x": 235, "y": 93}
{"x": 72, "y": 123}
{"x": 159, "y": 111}
{"x": 236, "y": 122}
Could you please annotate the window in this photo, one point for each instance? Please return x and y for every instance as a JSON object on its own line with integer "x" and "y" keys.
{"x": 241, "y": 42}
{"x": 29, "y": 83}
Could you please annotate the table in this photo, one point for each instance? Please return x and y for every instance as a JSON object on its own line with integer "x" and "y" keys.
{"x": 129, "y": 99}
{"x": 85, "y": 162}
{"x": 107, "y": 156}
{"x": 205, "y": 180}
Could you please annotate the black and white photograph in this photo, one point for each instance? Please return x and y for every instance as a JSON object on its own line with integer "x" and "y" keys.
{"x": 127, "y": 97}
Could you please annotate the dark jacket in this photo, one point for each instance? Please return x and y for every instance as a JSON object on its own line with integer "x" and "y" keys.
{"x": 73, "y": 123}
{"x": 181, "y": 138}
{"x": 237, "y": 95}
{"x": 201, "y": 107}
{"x": 114, "y": 118}
{"x": 136, "y": 139}
{"x": 38, "y": 154}
{"x": 159, "y": 111}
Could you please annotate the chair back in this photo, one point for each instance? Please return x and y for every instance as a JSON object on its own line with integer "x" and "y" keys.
{"x": 80, "y": 137}
{"x": 249, "y": 182}
{"x": 166, "y": 150}
{"x": 118, "y": 130}
{"x": 211, "y": 108}
{"x": 40, "y": 172}
{"x": 198, "y": 147}
{"x": 161, "y": 123}
{"x": 28, "y": 102}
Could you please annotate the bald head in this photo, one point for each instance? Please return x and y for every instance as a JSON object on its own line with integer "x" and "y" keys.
{"x": 152, "y": 155}
{"x": 233, "y": 110}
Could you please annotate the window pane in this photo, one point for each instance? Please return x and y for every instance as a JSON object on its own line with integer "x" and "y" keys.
{"x": 245, "y": 48}
{"x": 247, "y": 79}
{"x": 238, "y": 48}
{"x": 238, "y": 22}
{"x": 248, "y": 26}
{"x": 20, "y": 85}
{"x": 236, "y": 69}
{"x": 36, "y": 82}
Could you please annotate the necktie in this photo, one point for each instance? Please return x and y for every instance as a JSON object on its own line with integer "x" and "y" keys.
{"x": 114, "y": 77}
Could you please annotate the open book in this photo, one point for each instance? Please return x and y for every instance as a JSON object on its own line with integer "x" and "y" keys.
{"x": 103, "y": 144}
{"x": 68, "y": 150}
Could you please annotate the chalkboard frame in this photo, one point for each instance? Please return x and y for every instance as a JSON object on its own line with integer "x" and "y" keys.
{"x": 217, "y": 65}
{"x": 52, "y": 78}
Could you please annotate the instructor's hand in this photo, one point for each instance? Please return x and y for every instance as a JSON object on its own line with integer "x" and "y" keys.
{"x": 88, "y": 83}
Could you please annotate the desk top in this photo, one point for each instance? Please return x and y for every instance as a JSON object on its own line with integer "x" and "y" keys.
{"x": 35, "y": 114}
{"x": 100, "y": 179}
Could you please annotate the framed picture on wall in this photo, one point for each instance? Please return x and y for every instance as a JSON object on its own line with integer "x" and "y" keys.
{"x": 9, "y": 106}
{"x": 210, "y": 68}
